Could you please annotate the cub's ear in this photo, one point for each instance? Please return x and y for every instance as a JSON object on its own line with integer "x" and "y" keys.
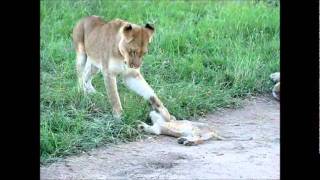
{"x": 127, "y": 28}
{"x": 150, "y": 27}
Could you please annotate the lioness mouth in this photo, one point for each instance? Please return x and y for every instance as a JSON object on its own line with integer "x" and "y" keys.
{"x": 134, "y": 66}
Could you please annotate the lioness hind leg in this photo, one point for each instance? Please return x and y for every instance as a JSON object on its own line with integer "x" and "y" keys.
{"x": 89, "y": 71}
{"x": 81, "y": 60}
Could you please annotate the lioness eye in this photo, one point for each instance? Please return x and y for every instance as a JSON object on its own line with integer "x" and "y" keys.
{"x": 132, "y": 52}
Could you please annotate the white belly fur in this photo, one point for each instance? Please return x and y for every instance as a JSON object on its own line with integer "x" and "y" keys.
{"x": 116, "y": 66}
{"x": 93, "y": 62}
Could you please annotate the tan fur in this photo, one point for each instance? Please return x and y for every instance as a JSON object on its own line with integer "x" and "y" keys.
{"x": 275, "y": 77}
{"x": 114, "y": 47}
{"x": 187, "y": 132}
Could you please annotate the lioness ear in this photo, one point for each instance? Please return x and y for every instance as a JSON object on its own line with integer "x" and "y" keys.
{"x": 127, "y": 32}
{"x": 127, "y": 28}
{"x": 150, "y": 27}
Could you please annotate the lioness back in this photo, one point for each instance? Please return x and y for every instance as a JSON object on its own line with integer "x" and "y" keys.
{"x": 97, "y": 38}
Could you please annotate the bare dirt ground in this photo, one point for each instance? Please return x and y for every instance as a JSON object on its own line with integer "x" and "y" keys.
{"x": 161, "y": 157}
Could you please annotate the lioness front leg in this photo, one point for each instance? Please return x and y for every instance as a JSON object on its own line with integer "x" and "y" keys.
{"x": 135, "y": 81}
{"x": 112, "y": 90}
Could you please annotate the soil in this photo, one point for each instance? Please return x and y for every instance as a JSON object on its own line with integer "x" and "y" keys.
{"x": 161, "y": 157}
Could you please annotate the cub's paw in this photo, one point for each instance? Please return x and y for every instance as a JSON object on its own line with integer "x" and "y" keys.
{"x": 141, "y": 126}
{"x": 181, "y": 140}
{"x": 185, "y": 141}
{"x": 188, "y": 143}
{"x": 173, "y": 118}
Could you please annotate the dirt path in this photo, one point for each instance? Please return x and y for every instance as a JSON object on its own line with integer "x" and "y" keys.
{"x": 162, "y": 158}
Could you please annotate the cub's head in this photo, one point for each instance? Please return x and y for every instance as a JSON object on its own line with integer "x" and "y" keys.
{"x": 134, "y": 43}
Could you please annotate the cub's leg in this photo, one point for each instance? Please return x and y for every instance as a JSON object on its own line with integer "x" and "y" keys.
{"x": 156, "y": 118}
{"x": 189, "y": 140}
{"x": 135, "y": 81}
{"x": 275, "y": 77}
{"x": 198, "y": 139}
{"x": 89, "y": 71}
{"x": 154, "y": 129}
{"x": 112, "y": 90}
{"x": 276, "y": 91}
{"x": 161, "y": 109}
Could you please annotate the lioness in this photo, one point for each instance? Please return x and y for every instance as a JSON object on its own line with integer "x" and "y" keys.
{"x": 188, "y": 132}
{"x": 114, "y": 47}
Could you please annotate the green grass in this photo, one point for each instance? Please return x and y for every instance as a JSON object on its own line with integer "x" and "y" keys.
{"x": 205, "y": 55}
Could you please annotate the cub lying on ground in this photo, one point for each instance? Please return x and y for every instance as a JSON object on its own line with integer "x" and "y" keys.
{"x": 188, "y": 132}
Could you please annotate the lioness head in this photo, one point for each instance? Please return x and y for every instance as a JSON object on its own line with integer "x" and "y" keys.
{"x": 134, "y": 43}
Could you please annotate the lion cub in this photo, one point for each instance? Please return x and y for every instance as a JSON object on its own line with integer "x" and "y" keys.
{"x": 275, "y": 77}
{"x": 188, "y": 132}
